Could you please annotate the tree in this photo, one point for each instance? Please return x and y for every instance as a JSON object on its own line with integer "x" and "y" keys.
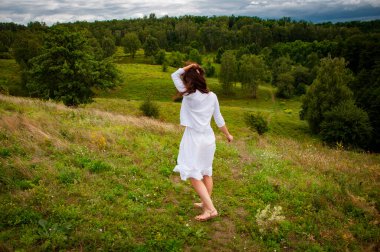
{"x": 252, "y": 71}
{"x": 26, "y": 46}
{"x": 366, "y": 90}
{"x": 228, "y": 71}
{"x": 219, "y": 53}
{"x": 209, "y": 69}
{"x": 347, "y": 124}
{"x": 160, "y": 56}
{"x": 151, "y": 46}
{"x": 195, "y": 56}
{"x": 131, "y": 43}
{"x": 176, "y": 59}
{"x": 280, "y": 66}
{"x": 285, "y": 85}
{"x": 67, "y": 69}
{"x": 108, "y": 46}
{"x": 302, "y": 77}
{"x": 329, "y": 89}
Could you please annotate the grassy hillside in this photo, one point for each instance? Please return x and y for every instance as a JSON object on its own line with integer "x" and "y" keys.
{"x": 99, "y": 177}
{"x": 88, "y": 179}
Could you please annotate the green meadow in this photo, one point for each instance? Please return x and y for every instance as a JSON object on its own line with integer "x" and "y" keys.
{"x": 99, "y": 177}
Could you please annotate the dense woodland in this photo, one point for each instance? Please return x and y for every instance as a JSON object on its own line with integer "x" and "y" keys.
{"x": 335, "y": 68}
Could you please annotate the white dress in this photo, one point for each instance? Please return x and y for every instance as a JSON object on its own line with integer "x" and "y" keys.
{"x": 197, "y": 148}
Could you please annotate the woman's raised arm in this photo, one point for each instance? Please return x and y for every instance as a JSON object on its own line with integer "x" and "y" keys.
{"x": 176, "y": 77}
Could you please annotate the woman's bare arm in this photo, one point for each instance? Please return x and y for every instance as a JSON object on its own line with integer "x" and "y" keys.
{"x": 226, "y": 133}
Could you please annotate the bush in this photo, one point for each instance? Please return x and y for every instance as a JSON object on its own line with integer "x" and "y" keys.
{"x": 195, "y": 56}
{"x": 209, "y": 69}
{"x": 4, "y": 89}
{"x": 160, "y": 57}
{"x": 346, "y": 124}
{"x": 257, "y": 122}
{"x": 164, "y": 66}
{"x": 150, "y": 108}
{"x": 176, "y": 59}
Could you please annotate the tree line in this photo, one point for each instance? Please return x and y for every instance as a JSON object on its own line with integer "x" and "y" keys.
{"x": 315, "y": 61}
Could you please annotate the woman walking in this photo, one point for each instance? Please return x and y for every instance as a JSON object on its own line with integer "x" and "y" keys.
{"x": 197, "y": 148}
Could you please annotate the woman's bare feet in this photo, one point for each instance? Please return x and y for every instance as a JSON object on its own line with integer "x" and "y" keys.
{"x": 207, "y": 215}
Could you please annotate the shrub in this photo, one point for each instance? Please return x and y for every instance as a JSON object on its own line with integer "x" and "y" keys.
{"x": 218, "y": 58}
{"x": 346, "y": 124}
{"x": 176, "y": 59}
{"x": 160, "y": 57}
{"x": 209, "y": 69}
{"x": 4, "y": 89}
{"x": 257, "y": 122}
{"x": 165, "y": 66}
{"x": 150, "y": 108}
{"x": 195, "y": 56}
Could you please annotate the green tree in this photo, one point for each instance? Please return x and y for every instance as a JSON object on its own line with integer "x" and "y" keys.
{"x": 160, "y": 56}
{"x": 176, "y": 59}
{"x": 346, "y": 124}
{"x": 195, "y": 56}
{"x": 228, "y": 71}
{"x": 252, "y": 71}
{"x": 302, "y": 77}
{"x": 26, "y": 46}
{"x": 67, "y": 69}
{"x": 327, "y": 91}
{"x": 131, "y": 43}
{"x": 209, "y": 69}
{"x": 280, "y": 66}
{"x": 219, "y": 53}
{"x": 108, "y": 46}
{"x": 151, "y": 46}
{"x": 285, "y": 85}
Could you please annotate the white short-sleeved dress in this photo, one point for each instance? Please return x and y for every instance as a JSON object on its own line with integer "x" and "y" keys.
{"x": 197, "y": 147}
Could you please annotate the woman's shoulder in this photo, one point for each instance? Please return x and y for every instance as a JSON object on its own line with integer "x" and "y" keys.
{"x": 213, "y": 95}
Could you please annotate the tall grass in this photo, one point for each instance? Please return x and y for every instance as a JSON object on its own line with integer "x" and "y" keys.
{"x": 89, "y": 179}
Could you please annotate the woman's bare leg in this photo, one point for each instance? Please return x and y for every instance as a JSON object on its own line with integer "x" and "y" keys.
{"x": 202, "y": 191}
{"x": 207, "y": 180}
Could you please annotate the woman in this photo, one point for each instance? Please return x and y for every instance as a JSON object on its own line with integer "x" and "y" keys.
{"x": 197, "y": 148}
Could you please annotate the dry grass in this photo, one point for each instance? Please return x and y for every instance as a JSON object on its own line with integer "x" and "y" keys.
{"x": 140, "y": 122}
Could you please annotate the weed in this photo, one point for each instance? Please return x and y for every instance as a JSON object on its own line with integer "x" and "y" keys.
{"x": 150, "y": 108}
{"x": 269, "y": 218}
{"x": 257, "y": 122}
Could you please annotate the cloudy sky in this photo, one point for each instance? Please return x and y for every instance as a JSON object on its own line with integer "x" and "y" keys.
{"x": 52, "y": 11}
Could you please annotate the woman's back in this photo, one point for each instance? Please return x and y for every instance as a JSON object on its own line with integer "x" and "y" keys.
{"x": 197, "y": 108}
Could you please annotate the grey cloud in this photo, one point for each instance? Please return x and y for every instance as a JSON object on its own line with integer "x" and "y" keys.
{"x": 51, "y": 11}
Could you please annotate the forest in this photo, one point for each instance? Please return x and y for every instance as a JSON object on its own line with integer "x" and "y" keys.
{"x": 250, "y": 51}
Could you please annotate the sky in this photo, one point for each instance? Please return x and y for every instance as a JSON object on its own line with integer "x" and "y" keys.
{"x": 53, "y": 11}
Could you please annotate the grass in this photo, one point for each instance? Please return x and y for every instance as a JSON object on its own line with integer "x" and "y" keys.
{"x": 99, "y": 177}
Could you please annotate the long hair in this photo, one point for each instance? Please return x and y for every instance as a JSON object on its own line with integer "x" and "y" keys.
{"x": 194, "y": 79}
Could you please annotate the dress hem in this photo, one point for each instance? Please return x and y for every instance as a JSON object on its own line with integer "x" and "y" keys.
{"x": 186, "y": 172}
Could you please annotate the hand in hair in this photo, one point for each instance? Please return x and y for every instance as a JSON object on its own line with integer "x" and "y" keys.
{"x": 194, "y": 65}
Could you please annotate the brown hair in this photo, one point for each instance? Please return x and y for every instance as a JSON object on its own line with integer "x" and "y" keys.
{"x": 194, "y": 79}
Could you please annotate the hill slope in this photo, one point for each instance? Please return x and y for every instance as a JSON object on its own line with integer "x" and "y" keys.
{"x": 88, "y": 179}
